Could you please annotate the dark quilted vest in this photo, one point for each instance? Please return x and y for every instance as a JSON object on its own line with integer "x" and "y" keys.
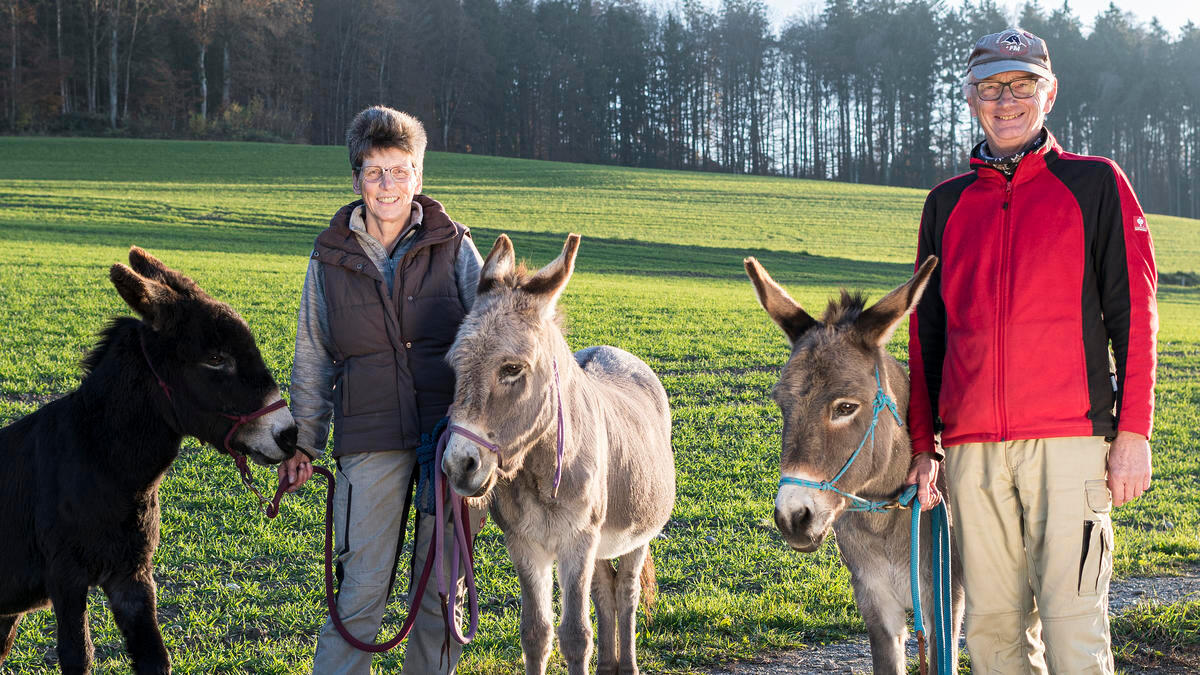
{"x": 393, "y": 382}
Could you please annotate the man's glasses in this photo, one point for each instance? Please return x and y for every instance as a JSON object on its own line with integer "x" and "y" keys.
{"x": 374, "y": 174}
{"x": 992, "y": 91}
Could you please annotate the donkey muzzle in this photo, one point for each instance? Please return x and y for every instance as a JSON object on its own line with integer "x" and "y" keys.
{"x": 802, "y": 517}
{"x": 470, "y": 469}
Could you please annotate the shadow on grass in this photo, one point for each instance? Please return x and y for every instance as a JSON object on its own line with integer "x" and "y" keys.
{"x": 240, "y": 233}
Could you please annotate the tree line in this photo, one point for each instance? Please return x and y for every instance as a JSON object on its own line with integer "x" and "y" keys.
{"x": 859, "y": 90}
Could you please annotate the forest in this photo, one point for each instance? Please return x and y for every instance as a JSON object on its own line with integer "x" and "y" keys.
{"x": 865, "y": 91}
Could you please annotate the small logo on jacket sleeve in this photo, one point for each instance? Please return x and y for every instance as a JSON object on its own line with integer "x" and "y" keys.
{"x": 1140, "y": 225}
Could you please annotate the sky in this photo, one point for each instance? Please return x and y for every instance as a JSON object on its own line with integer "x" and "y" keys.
{"x": 1173, "y": 14}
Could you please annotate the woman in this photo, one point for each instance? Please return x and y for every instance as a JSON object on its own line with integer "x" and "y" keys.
{"x": 388, "y": 283}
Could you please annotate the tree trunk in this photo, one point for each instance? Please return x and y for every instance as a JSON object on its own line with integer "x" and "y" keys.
{"x": 228, "y": 77}
{"x": 15, "y": 73}
{"x": 65, "y": 100}
{"x": 114, "y": 17}
{"x": 93, "y": 55}
{"x": 203, "y": 81}
{"x": 138, "y": 5}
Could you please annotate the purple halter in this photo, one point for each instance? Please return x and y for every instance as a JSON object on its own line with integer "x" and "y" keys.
{"x": 462, "y": 431}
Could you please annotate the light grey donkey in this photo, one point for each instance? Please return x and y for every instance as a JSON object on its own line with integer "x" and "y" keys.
{"x": 517, "y": 384}
{"x": 826, "y": 394}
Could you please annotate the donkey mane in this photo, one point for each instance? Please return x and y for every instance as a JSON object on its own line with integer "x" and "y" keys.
{"x": 107, "y": 336}
{"x": 844, "y": 310}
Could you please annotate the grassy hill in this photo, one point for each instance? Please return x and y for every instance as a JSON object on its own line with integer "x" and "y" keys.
{"x": 659, "y": 274}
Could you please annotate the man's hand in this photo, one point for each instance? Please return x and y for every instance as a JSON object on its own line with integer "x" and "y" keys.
{"x": 296, "y": 471}
{"x": 1129, "y": 468}
{"x": 923, "y": 473}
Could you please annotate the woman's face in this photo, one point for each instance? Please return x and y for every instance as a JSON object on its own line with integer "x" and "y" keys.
{"x": 388, "y": 201}
{"x": 1011, "y": 123}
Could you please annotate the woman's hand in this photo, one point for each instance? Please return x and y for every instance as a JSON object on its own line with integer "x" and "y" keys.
{"x": 296, "y": 471}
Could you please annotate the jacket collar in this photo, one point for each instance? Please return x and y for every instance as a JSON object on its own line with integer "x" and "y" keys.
{"x": 342, "y": 247}
{"x": 1029, "y": 165}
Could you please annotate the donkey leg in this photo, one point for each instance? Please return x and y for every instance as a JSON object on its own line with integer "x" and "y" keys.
{"x": 629, "y": 591}
{"x": 575, "y": 569}
{"x": 604, "y": 581}
{"x": 8, "y": 633}
{"x": 74, "y": 638}
{"x": 132, "y": 600}
{"x": 535, "y": 573}
{"x": 886, "y": 623}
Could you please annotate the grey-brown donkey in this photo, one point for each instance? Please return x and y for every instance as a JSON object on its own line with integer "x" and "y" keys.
{"x": 826, "y": 394}
{"x": 515, "y": 377}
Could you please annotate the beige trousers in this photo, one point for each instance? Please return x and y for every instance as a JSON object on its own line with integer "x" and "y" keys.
{"x": 1035, "y": 539}
{"x": 368, "y": 506}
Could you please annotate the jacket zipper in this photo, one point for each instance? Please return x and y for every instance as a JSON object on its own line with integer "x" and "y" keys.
{"x": 1001, "y": 309}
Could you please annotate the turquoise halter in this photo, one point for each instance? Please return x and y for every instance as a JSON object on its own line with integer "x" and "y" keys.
{"x": 882, "y": 401}
{"x": 947, "y": 652}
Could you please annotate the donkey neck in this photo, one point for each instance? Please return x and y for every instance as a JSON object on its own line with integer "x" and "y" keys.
{"x": 133, "y": 427}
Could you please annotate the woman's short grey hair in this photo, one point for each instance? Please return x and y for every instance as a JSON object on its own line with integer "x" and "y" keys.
{"x": 383, "y": 128}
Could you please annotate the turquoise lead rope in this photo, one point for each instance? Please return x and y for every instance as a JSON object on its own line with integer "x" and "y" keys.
{"x": 947, "y": 652}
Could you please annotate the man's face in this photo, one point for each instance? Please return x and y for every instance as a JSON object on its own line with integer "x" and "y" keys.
{"x": 1011, "y": 123}
{"x": 387, "y": 201}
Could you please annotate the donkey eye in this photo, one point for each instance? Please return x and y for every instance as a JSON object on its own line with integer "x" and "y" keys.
{"x": 844, "y": 409}
{"x": 215, "y": 361}
{"x": 510, "y": 370}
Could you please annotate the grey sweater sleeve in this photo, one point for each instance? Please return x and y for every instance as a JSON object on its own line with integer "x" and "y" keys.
{"x": 313, "y": 371}
{"x": 466, "y": 272}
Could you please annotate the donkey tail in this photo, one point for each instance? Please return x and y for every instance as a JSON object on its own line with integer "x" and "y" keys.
{"x": 649, "y": 584}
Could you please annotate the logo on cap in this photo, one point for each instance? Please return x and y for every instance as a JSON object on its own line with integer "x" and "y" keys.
{"x": 1014, "y": 43}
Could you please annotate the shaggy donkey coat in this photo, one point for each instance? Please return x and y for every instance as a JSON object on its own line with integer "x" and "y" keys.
{"x": 79, "y": 477}
{"x": 826, "y": 393}
{"x": 618, "y": 468}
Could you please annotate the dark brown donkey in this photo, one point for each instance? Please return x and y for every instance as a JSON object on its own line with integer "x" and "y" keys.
{"x": 79, "y": 477}
{"x": 827, "y": 395}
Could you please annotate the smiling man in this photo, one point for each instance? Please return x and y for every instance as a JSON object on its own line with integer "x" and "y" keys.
{"x": 388, "y": 283}
{"x": 1032, "y": 355}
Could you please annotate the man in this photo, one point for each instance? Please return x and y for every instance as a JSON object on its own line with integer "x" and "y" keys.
{"x": 1046, "y": 265}
{"x": 388, "y": 283}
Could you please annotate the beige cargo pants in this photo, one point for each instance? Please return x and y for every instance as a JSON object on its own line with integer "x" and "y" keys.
{"x": 368, "y": 506}
{"x": 1035, "y": 539}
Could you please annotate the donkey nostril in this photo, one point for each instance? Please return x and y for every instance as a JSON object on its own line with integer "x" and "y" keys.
{"x": 470, "y": 464}
{"x": 792, "y": 522}
{"x": 286, "y": 439}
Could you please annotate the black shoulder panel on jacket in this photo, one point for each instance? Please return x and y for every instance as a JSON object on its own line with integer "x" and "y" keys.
{"x": 1104, "y": 295}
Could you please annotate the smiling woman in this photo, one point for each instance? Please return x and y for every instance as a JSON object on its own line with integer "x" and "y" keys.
{"x": 389, "y": 281}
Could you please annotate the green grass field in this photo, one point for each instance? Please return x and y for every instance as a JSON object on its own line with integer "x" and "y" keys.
{"x": 659, "y": 274}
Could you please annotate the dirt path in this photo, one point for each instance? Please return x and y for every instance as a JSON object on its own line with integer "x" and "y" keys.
{"x": 854, "y": 655}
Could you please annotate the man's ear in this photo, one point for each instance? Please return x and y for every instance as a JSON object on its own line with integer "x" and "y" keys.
{"x": 1051, "y": 97}
{"x": 356, "y": 178}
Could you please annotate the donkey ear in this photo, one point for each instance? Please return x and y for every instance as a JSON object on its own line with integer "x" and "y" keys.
{"x": 498, "y": 266}
{"x": 783, "y": 310}
{"x": 551, "y": 280}
{"x": 145, "y": 296}
{"x": 152, "y": 268}
{"x": 881, "y": 320}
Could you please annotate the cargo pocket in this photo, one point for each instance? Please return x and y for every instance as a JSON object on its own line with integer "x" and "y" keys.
{"x": 1095, "y": 556}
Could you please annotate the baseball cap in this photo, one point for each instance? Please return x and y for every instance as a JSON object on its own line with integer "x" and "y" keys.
{"x": 1012, "y": 49}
